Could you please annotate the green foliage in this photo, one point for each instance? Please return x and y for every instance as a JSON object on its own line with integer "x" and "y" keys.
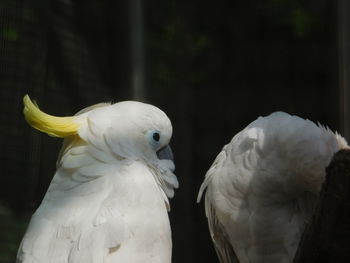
{"x": 301, "y": 21}
{"x": 303, "y": 18}
{"x": 10, "y": 34}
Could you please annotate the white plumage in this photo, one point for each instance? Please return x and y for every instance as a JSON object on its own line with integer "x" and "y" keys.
{"x": 108, "y": 200}
{"x": 262, "y": 187}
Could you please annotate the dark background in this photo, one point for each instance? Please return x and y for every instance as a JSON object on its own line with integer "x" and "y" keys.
{"x": 212, "y": 66}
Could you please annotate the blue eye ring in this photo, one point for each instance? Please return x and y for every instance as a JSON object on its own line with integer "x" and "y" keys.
{"x": 154, "y": 138}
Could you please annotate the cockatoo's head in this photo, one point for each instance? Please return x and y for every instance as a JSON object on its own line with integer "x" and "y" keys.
{"x": 126, "y": 130}
{"x": 130, "y": 129}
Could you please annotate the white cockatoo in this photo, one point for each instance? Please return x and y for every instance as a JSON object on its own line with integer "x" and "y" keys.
{"x": 108, "y": 200}
{"x": 262, "y": 187}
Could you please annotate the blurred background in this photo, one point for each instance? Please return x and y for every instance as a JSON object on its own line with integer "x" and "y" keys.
{"x": 212, "y": 66}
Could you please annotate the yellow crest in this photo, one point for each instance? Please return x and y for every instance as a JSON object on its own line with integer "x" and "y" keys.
{"x": 52, "y": 125}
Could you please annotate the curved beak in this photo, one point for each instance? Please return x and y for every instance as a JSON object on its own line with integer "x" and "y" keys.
{"x": 165, "y": 153}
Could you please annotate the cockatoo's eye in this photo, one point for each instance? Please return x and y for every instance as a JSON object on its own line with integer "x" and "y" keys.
{"x": 154, "y": 138}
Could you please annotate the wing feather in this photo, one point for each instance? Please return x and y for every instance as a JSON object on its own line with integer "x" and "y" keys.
{"x": 221, "y": 242}
{"x": 78, "y": 220}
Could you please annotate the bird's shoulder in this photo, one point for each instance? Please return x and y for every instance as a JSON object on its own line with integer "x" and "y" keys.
{"x": 67, "y": 226}
{"x": 282, "y": 150}
{"x": 79, "y": 215}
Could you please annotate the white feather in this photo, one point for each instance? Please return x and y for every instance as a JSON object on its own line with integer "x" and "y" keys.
{"x": 263, "y": 186}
